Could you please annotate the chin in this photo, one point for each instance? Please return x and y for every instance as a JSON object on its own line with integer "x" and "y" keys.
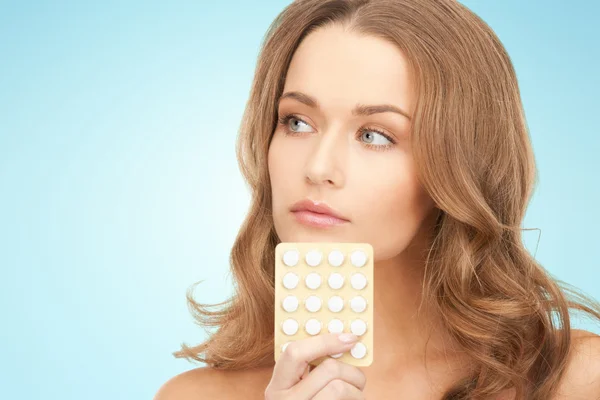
{"x": 299, "y": 233}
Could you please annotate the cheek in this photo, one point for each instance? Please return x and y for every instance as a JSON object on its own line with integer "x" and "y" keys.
{"x": 274, "y": 163}
{"x": 391, "y": 199}
{"x": 281, "y": 174}
{"x": 286, "y": 158}
{"x": 274, "y": 170}
{"x": 391, "y": 211}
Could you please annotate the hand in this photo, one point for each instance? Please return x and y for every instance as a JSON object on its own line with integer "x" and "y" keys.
{"x": 332, "y": 379}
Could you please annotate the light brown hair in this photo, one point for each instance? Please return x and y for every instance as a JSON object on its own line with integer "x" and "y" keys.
{"x": 473, "y": 155}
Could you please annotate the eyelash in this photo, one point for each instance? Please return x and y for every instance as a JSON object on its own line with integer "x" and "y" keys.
{"x": 285, "y": 119}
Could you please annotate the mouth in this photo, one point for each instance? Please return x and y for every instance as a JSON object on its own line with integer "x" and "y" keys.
{"x": 317, "y": 214}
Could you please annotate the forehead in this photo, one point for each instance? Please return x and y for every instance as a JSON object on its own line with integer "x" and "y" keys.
{"x": 341, "y": 69}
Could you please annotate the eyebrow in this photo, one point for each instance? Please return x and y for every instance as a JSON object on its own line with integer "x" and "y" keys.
{"x": 359, "y": 110}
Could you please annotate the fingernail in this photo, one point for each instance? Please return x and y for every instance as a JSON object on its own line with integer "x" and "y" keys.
{"x": 347, "y": 338}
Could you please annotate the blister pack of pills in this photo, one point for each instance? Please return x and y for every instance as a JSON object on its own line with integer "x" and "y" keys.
{"x": 325, "y": 288}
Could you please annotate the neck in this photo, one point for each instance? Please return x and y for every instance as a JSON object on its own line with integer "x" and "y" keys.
{"x": 403, "y": 333}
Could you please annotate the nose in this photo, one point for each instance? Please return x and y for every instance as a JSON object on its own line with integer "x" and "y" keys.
{"x": 324, "y": 164}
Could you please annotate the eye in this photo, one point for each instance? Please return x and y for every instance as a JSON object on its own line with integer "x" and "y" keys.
{"x": 286, "y": 118}
{"x": 378, "y": 147}
{"x": 372, "y": 134}
{"x": 285, "y": 121}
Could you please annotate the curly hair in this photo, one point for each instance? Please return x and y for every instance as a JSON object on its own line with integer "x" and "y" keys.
{"x": 473, "y": 156}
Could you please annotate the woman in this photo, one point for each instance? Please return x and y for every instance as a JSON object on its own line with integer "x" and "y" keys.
{"x": 438, "y": 184}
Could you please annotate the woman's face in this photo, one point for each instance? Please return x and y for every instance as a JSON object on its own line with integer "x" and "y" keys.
{"x": 327, "y": 154}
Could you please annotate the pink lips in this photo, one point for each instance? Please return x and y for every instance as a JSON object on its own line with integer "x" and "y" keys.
{"x": 316, "y": 214}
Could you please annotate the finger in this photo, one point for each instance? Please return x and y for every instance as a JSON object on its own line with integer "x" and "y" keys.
{"x": 293, "y": 361}
{"x": 306, "y": 371}
{"x": 327, "y": 372}
{"x": 339, "y": 390}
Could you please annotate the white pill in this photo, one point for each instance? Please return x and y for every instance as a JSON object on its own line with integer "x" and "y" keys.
{"x": 338, "y": 355}
{"x": 312, "y": 303}
{"x": 290, "y": 280}
{"x": 358, "y": 304}
{"x": 335, "y": 303}
{"x": 313, "y": 280}
{"x": 358, "y": 258}
{"x": 359, "y": 350}
{"x": 291, "y": 258}
{"x": 336, "y": 280}
{"x": 284, "y": 346}
{"x": 335, "y": 326}
{"x": 358, "y": 327}
{"x": 290, "y": 303}
{"x": 313, "y": 258}
{"x": 312, "y": 326}
{"x": 290, "y": 326}
{"x": 335, "y": 258}
{"x": 358, "y": 281}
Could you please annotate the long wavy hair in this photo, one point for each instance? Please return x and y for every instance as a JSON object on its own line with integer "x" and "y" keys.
{"x": 473, "y": 156}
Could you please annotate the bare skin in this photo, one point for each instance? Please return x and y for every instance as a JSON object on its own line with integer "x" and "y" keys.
{"x": 581, "y": 380}
{"x": 323, "y": 155}
{"x": 326, "y": 159}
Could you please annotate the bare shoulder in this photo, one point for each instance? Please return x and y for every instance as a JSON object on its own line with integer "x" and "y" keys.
{"x": 582, "y": 376}
{"x": 197, "y": 383}
{"x": 211, "y": 383}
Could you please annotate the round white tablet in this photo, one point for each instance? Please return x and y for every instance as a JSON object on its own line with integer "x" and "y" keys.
{"x": 313, "y": 280}
{"x": 358, "y": 327}
{"x": 285, "y": 345}
{"x": 335, "y": 258}
{"x": 358, "y": 258}
{"x": 358, "y": 281}
{"x": 290, "y": 303}
{"x": 359, "y": 350}
{"x": 290, "y": 280}
{"x": 335, "y": 303}
{"x": 338, "y": 355}
{"x": 335, "y": 326}
{"x": 290, "y": 326}
{"x": 291, "y": 258}
{"x": 358, "y": 304}
{"x": 313, "y": 258}
{"x": 312, "y": 326}
{"x": 335, "y": 280}
{"x": 312, "y": 303}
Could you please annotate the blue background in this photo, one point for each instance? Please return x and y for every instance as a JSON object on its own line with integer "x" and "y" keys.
{"x": 119, "y": 186}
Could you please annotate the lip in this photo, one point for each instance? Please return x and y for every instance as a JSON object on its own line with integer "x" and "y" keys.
{"x": 315, "y": 213}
